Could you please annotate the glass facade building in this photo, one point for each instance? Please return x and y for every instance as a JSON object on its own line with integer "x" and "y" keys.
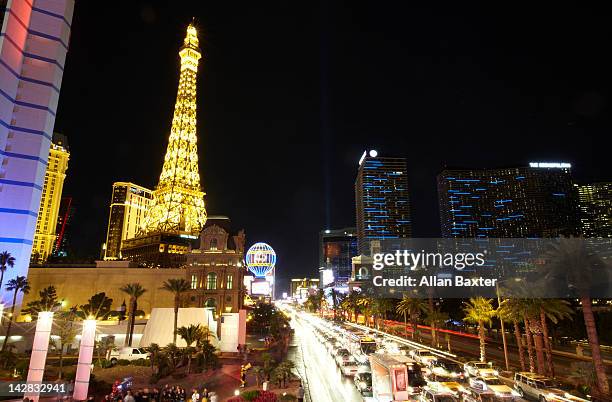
{"x": 596, "y": 209}
{"x": 512, "y": 202}
{"x": 336, "y": 250}
{"x": 381, "y": 198}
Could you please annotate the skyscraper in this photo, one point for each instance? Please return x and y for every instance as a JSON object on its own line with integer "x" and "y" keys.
{"x": 129, "y": 203}
{"x": 336, "y": 250}
{"x": 596, "y": 209}
{"x": 46, "y": 223}
{"x": 177, "y": 213}
{"x": 34, "y": 40}
{"x": 534, "y": 201}
{"x": 381, "y": 198}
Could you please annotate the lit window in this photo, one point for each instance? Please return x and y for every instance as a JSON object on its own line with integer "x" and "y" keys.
{"x": 230, "y": 282}
{"x": 194, "y": 281}
{"x": 211, "y": 281}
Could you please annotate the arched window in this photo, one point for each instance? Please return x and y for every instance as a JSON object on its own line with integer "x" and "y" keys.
{"x": 211, "y": 281}
{"x": 213, "y": 243}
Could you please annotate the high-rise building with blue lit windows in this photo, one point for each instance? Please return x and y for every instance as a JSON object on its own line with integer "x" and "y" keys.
{"x": 596, "y": 209}
{"x": 381, "y": 198}
{"x": 535, "y": 201}
{"x": 34, "y": 41}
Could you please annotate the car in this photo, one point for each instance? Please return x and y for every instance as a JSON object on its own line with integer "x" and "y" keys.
{"x": 451, "y": 386}
{"x": 348, "y": 366}
{"x": 479, "y": 369}
{"x": 446, "y": 369}
{"x": 341, "y": 354}
{"x": 423, "y": 356}
{"x": 363, "y": 382}
{"x": 432, "y": 395}
{"x": 128, "y": 353}
{"x": 495, "y": 385}
{"x": 536, "y": 386}
{"x": 478, "y": 395}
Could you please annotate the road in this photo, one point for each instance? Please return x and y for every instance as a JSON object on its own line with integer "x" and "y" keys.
{"x": 318, "y": 370}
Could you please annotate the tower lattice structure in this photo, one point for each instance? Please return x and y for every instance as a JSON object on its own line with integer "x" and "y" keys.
{"x": 178, "y": 205}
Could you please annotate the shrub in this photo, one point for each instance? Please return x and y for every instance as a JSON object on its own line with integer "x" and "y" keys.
{"x": 288, "y": 397}
{"x": 141, "y": 362}
{"x": 123, "y": 362}
{"x": 154, "y": 379}
{"x": 178, "y": 376}
{"x": 250, "y": 395}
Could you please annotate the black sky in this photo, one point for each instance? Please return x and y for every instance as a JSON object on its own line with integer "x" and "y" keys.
{"x": 291, "y": 93}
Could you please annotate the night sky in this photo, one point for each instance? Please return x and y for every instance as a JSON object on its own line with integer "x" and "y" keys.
{"x": 291, "y": 93}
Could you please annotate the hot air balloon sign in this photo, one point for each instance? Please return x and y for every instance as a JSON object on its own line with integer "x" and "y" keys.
{"x": 260, "y": 259}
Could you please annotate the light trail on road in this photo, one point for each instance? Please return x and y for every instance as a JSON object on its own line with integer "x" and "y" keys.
{"x": 325, "y": 382}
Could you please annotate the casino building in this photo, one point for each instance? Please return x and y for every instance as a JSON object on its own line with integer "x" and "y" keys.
{"x": 215, "y": 269}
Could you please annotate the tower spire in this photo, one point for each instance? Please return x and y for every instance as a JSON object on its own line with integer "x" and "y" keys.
{"x": 178, "y": 206}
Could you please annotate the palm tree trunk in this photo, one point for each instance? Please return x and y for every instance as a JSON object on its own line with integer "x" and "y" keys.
{"x": 10, "y": 323}
{"x": 519, "y": 344}
{"x": 61, "y": 361}
{"x": 414, "y": 328}
{"x": 405, "y": 325}
{"x": 481, "y": 337}
{"x": 129, "y": 324}
{"x": 591, "y": 329}
{"x": 547, "y": 348}
{"x": 529, "y": 345}
{"x": 176, "y": 311}
{"x": 539, "y": 348}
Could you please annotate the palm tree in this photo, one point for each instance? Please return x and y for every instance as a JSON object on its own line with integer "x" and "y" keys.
{"x": 19, "y": 284}
{"x": 479, "y": 311}
{"x": 134, "y": 290}
{"x": 575, "y": 263}
{"x": 191, "y": 334}
{"x": 382, "y": 307}
{"x": 257, "y": 371}
{"x": 553, "y": 310}
{"x": 510, "y": 311}
{"x": 571, "y": 260}
{"x": 367, "y": 306}
{"x": 6, "y": 261}
{"x": 412, "y": 308}
{"x": 177, "y": 287}
{"x": 351, "y": 304}
{"x": 155, "y": 351}
{"x": 435, "y": 319}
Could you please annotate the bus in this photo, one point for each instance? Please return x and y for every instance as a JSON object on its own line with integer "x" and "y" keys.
{"x": 361, "y": 344}
{"x": 394, "y": 377}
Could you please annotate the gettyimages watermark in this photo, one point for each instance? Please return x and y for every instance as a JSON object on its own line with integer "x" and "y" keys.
{"x": 524, "y": 268}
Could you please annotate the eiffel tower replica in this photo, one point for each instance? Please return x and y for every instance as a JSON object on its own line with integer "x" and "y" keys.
{"x": 177, "y": 214}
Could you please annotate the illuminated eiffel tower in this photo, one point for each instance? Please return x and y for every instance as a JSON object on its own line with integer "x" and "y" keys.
{"x": 178, "y": 205}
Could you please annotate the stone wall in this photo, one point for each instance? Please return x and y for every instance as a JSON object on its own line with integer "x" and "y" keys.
{"x": 77, "y": 285}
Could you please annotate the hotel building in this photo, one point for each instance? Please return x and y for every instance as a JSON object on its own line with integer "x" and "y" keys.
{"x": 34, "y": 40}
{"x": 50, "y": 200}
{"x": 129, "y": 203}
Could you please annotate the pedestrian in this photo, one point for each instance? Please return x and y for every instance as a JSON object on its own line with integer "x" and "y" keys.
{"x": 300, "y": 393}
{"x": 213, "y": 397}
{"x": 195, "y": 397}
{"x": 129, "y": 397}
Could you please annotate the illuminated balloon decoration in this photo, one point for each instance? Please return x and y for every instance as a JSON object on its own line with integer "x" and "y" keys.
{"x": 260, "y": 259}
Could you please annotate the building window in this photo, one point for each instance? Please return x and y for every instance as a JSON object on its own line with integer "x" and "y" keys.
{"x": 194, "y": 281}
{"x": 213, "y": 243}
{"x": 230, "y": 282}
{"x": 211, "y": 281}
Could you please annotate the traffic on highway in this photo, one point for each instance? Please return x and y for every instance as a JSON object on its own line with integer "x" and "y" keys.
{"x": 387, "y": 368}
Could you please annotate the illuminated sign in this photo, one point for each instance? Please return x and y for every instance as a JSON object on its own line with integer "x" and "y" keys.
{"x": 260, "y": 259}
{"x": 260, "y": 288}
{"x": 327, "y": 276}
{"x": 550, "y": 165}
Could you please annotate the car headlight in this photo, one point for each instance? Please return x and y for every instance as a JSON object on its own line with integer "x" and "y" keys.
{"x": 515, "y": 393}
{"x": 410, "y": 389}
{"x": 461, "y": 388}
{"x": 454, "y": 374}
{"x": 495, "y": 372}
